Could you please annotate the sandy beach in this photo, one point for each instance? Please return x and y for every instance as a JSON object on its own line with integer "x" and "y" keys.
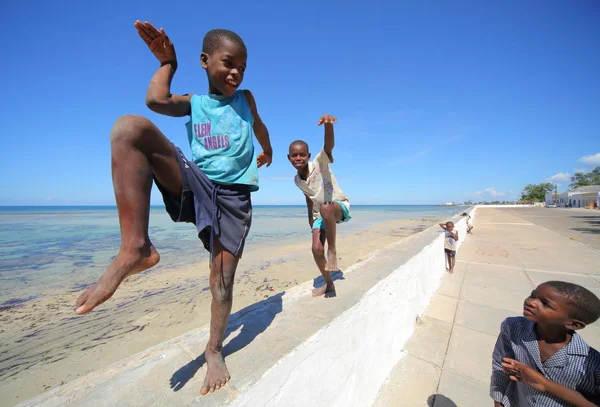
{"x": 48, "y": 345}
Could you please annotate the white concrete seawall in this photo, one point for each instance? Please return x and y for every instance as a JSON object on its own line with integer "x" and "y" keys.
{"x": 347, "y": 361}
{"x": 290, "y": 349}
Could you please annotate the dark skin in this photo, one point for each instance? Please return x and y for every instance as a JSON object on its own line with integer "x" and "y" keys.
{"x": 331, "y": 212}
{"x": 140, "y": 152}
{"x": 449, "y": 226}
{"x": 554, "y": 328}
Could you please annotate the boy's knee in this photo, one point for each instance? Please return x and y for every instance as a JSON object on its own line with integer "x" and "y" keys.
{"x": 222, "y": 294}
{"x": 318, "y": 250}
{"x": 327, "y": 210}
{"x": 129, "y": 127}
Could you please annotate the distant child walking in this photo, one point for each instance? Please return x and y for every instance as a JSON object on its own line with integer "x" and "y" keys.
{"x": 326, "y": 203}
{"x": 450, "y": 239}
{"x": 469, "y": 224}
{"x": 539, "y": 359}
{"x": 212, "y": 190}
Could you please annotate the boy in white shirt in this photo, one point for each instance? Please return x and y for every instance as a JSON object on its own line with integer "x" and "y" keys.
{"x": 326, "y": 203}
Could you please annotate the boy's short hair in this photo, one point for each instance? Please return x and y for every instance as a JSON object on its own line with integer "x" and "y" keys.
{"x": 300, "y": 142}
{"x": 449, "y": 223}
{"x": 585, "y": 306}
{"x": 214, "y": 38}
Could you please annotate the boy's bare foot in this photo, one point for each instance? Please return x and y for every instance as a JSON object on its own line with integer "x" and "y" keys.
{"x": 327, "y": 290}
{"x": 217, "y": 374}
{"x": 124, "y": 265}
{"x": 331, "y": 261}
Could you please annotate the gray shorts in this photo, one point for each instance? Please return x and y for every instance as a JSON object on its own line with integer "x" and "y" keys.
{"x": 218, "y": 211}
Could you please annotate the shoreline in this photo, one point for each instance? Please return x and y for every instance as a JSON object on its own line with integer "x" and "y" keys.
{"x": 51, "y": 254}
{"x": 48, "y": 345}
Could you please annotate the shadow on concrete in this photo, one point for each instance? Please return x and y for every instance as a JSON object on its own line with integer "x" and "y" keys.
{"x": 439, "y": 400}
{"x": 593, "y": 221}
{"x": 253, "y": 320}
{"x": 320, "y": 281}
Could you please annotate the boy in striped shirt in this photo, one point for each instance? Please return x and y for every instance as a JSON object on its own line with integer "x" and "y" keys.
{"x": 539, "y": 359}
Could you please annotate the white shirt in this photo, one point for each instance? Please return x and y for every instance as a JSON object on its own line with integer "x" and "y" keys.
{"x": 320, "y": 185}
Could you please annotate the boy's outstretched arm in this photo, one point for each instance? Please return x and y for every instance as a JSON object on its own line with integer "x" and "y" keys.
{"x": 261, "y": 133}
{"x": 443, "y": 226}
{"x": 526, "y": 374}
{"x": 328, "y": 120}
{"x": 158, "y": 97}
{"x": 309, "y": 206}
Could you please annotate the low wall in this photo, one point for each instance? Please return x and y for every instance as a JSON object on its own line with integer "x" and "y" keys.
{"x": 347, "y": 361}
{"x": 539, "y": 204}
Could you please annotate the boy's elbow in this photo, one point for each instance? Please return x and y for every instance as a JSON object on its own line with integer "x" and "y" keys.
{"x": 153, "y": 104}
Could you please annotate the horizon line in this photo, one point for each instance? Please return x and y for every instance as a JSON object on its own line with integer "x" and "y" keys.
{"x": 258, "y": 204}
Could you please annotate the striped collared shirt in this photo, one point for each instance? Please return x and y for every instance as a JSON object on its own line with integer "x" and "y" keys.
{"x": 576, "y": 366}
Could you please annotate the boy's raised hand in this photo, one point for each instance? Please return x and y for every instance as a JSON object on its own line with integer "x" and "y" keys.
{"x": 157, "y": 41}
{"x": 327, "y": 119}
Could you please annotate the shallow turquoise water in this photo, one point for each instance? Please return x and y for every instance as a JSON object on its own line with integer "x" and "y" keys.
{"x": 47, "y": 248}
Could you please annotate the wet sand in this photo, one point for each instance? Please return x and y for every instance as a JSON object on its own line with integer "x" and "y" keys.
{"x": 44, "y": 344}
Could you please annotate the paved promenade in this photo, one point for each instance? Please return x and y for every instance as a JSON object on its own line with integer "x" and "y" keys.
{"x": 448, "y": 358}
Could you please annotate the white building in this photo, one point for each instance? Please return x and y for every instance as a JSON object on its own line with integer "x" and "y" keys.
{"x": 579, "y": 197}
{"x": 582, "y": 196}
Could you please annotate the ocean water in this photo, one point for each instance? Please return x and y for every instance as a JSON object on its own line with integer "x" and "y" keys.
{"x": 43, "y": 249}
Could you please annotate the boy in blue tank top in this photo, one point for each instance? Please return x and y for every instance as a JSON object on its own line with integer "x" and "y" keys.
{"x": 212, "y": 190}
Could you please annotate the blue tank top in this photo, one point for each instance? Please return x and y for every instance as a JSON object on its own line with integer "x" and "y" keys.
{"x": 220, "y": 136}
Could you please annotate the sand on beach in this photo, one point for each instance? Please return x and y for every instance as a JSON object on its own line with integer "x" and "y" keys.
{"x": 44, "y": 344}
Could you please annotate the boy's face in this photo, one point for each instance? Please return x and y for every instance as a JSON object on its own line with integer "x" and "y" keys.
{"x": 547, "y": 307}
{"x": 298, "y": 156}
{"x": 225, "y": 68}
{"x": 450, "y": 226}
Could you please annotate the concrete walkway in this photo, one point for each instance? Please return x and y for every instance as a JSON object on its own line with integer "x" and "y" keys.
{"x": 447, "y": 361}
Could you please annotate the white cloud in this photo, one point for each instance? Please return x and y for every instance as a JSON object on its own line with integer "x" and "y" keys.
{"x": 493, "y": 192}
{"x": 593, "y": 159}
{"x": 561, "y": 176}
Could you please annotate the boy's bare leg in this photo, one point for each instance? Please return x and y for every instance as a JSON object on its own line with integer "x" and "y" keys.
{"x": 331, "y": 212}
{"x": 222, "y": 273}
{"x": 448, "y": 259}
{"x": 138, "y": 151}
{"x": 318, "y": 249}
{"x": 452, "y": 261}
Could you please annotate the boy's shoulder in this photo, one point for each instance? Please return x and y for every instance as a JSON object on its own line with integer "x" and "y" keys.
{"x": 322, "y": 158}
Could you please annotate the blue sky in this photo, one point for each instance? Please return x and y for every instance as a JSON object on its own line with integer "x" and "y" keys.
{"x": 436, "y": 101}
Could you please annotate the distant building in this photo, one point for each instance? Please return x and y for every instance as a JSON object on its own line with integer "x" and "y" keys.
{"x": 583, "y": 196}
{"x": 576, "y": 198}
